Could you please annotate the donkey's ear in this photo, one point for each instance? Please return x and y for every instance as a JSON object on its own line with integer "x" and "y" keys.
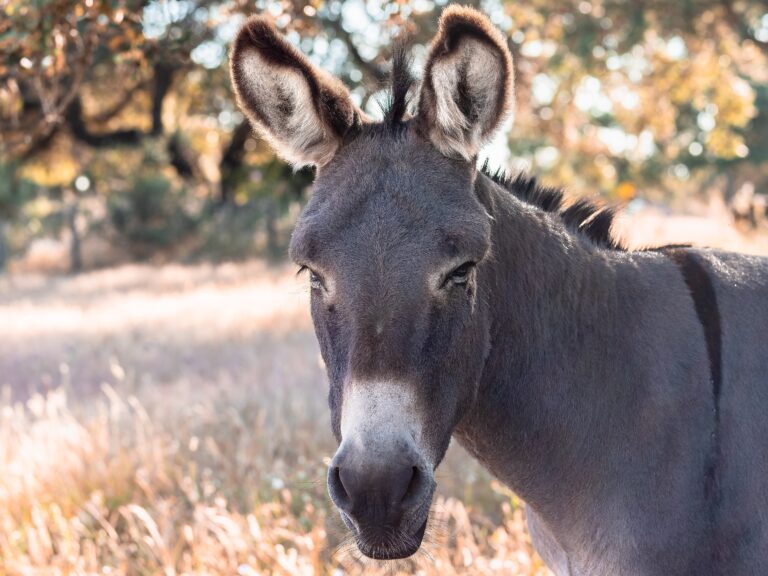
{"x": 304, "y": 112}
{"x": 468, "y": 86}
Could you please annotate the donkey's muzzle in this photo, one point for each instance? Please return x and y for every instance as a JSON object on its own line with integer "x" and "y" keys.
{"x": 384, "y": 499}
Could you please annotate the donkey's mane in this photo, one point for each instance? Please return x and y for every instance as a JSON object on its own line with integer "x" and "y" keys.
{"x": 582, "y": 216}
{"x": 402, "y": 80}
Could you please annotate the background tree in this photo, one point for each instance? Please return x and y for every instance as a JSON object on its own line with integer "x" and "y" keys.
{"x": 108, "y": 104}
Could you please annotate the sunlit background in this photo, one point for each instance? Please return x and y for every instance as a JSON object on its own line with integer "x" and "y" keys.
{"x": 163, "y": 403}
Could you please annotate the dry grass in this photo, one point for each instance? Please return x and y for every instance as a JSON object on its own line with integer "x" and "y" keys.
{"x": 206, "y": 493}
{"x": 173, "y": 421}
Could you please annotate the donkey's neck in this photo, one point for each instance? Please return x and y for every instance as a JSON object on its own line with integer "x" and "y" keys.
{"x": 552, "y": 384}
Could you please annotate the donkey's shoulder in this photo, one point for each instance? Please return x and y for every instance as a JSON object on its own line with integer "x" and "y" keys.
{"x": 732, "y": 270}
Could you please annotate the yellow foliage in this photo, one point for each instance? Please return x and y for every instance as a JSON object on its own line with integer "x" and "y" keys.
{"x": 51, "y": 169}
{"x": 723, "y": 142}
{"x": 626, "y": 191}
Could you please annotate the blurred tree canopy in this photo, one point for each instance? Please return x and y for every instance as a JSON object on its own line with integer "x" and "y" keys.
{"x": 117, "y": 118}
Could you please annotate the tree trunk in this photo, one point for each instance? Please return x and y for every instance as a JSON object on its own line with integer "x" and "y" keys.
{"x": 75, "y": 254}
{"x": 231, "y": 160}
{"x": 4, "y": 251}
{"x": 163, "y": 81}
{"x": 270, "y": 225}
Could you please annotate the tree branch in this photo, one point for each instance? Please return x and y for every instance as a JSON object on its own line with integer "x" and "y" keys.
{"x": 179, "y": 158}
{"x": 80, "y": 130}
{"x": 118, "y": 107}
{"x": 232, "y": 159}
{"x": 371, "y": 69}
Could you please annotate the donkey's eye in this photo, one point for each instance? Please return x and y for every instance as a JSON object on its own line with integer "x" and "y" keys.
{"x": 460, "y": 275}
{"x": 315, "y": 281}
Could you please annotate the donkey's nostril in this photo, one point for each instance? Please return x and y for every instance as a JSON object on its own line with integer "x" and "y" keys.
{"x": 413, "y": 489}
{"x": 336, "y": 488}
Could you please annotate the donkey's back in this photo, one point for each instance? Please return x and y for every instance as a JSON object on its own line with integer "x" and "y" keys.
{"x": 740, "y": 285}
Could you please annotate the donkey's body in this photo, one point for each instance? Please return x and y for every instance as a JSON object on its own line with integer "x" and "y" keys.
{"x": 597, "y": 404}
{"x": 623, "y": 395}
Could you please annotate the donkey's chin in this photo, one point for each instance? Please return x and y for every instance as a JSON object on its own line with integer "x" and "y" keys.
{"x": 386, "y": 544}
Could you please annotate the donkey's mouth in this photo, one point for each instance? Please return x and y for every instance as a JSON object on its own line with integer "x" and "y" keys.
{"x": 390, "y": 546}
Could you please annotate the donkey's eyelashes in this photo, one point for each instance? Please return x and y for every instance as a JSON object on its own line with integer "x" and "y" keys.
{"x": 459, "y": 276}
{"x": 315, "y": 279}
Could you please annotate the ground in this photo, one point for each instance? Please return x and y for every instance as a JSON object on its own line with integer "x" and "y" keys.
{"x": 172, "y": 420}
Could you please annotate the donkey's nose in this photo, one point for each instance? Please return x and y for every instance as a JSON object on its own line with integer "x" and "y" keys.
{"x": 377, "y": 492}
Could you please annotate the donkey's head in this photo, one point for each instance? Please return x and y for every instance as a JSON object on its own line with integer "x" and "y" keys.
{"x": 394, "y": 241}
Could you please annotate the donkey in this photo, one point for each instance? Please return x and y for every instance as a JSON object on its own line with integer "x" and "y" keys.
{"x": 622, "y": 394}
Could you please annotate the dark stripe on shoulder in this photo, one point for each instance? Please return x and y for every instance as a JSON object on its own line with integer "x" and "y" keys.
{"x": 705, "y": 301}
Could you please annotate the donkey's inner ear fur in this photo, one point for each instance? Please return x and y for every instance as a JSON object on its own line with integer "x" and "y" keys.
{"x": 468, "y": 87}
{"x": 304, "y": 112}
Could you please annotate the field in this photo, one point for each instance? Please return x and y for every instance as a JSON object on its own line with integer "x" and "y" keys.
{"x": 172, "y": 420}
